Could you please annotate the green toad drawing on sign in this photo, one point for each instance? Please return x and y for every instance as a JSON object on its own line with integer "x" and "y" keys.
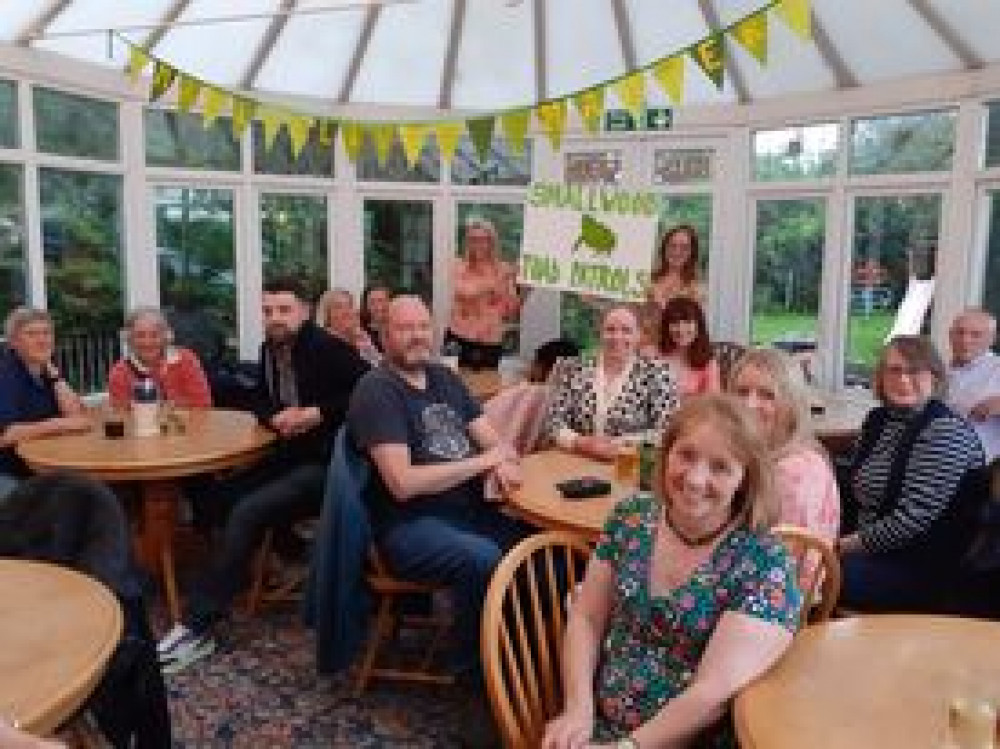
{"x": 596, "y": 237}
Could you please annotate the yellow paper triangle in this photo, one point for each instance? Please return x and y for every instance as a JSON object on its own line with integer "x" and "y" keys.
{"x": 447, "y": 135}
{"x": 216, "y": 100}
{"x": 590, "y": 105}
{"x": 751, "y": 32}
{"x": 631, "y": 91}
{"x": 353, "y": 136}
{"x": 552, "y": 117}
{"x": 412, "y": 137}
{"x": 187, "y": 97}
{"x": 298, "y": 131}
{"x": 383, "y": 137}
{"x": 138, "y": 59}
{"x": 272, "y": 120}
{"x": 514, "y": 126}
{"x": 242, "y": 115}
{"x": 797, "y": 15}
{"x": 669, "y": 73}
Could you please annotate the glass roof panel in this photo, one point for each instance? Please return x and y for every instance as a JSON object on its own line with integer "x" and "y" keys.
{"x": 977, "y": 22}
{"x": 793, "y": 65}
{"x": 313, "y": 51}
{"x": 659, "y": 29}
{"x": 231, "y": 44}
{"x": 405, "y": 55}
{"x": 495, "y": 67}
{"x": 583, "y": 46}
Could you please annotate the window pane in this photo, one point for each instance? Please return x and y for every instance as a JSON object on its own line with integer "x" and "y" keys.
{"x": 180, "y": 139}
{"x": 396, "y": 168}
{"x": 74, "y": 125}
{"x": 921, "y": 142}
{"x": 195, "y": 250}
{"x": 895, "y": 246}
{"x": 788, "y": 266}
{"x": 508, "y": 218}
{"x": 8, "y": 114}
{"x": 82, "y": 247}
{"x": 991, "y": 289}
{"x": 315, "y": 158}
{"x": 992, "y": 133}
{"x": 502, "y": 167}
{"x": 398, "y": 242}
{"x": 293, "y": 239}
{"x": 13, "y": 279}
{"x": 803, "y": 152}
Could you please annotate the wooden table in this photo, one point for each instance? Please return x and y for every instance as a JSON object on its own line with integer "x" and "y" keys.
{"x": 539, "y": 502}
{"x": 58, "y": 629}
{"x": 214, "y": 440}
{"x": 870, "y": 681}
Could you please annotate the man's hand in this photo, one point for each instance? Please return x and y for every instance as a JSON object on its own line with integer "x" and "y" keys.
{"x": 296, "y": 420}
{"x": 985, "y": 409}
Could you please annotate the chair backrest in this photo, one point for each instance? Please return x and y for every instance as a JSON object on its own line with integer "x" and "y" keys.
{"x": 818, "y": 569}
{"x": 523, "y": 625}
{"x": 727, "y": 353}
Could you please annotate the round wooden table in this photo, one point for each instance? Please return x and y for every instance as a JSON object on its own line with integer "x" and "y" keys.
{"x": 870, "y": 681}
{"x": 214, "y": 440}
{"x": 539, "y": 502}
{"x": 58, "y": 629}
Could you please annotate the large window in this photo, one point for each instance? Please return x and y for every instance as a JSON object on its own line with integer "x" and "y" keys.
{"x": 315, "y": 159}
{"x": 398, "y": 246}
{"x": 195, "y": 250}
{"x": 180, "y": 139}
{"x": 894, "y": 255}
{"x": 293, "y": 239}
{"x": 502, "y": 165}
{"x": 923, "y": 142}
{"x": 788, "y": 262}
{"x": 991, "y": 289}
{"x": 73, "y": 125}
{"x": 992, "y": 150}
{"x": 795, "y": 153}
{"x": 395, "y": 167}
{"x": 8, "y": 114}
{"x": 13, "y": 284}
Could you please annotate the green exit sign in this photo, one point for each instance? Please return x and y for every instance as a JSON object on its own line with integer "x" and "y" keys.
{"x": 619, "y": 120}
{"x": 659, "y": 118}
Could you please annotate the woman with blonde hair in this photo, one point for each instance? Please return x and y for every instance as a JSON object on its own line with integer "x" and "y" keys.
{"x": 687, "y": 598}
{"x": 337, "y": 315}
{"x": 773, "y": 387}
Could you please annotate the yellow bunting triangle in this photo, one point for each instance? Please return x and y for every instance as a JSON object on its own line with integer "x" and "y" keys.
{"x": 514, "y": 126}
{"x": 448, "y": 134}
{"x": 709, "y": 53}
{"x": 412, "y": 137}
{"x": 590, "y": 105}
{"x": 298, "y": 131}
{"x": 137, "y": 61}
{"x": 631, "y": 90}
{"x": 353, "y": 136}
{"x": 383, "y": 137}
{"x": 188, "y": 94}
{"x": 751, "y": 32}
{"x": 552, "y": 117}
{"x": 243, "y": 110}
{"x": 216, "y": 100}
{"x": 272, "y": 120}
{"x": 797, "y": 15}
{"x": 669, "y": 73}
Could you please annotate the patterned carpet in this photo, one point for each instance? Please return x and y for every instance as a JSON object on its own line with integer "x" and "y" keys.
{"x": 261, "y": 689}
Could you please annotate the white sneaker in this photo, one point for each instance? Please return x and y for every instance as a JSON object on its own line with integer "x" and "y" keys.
{"x": 177, "y": 633}
{"x": 192, "y": 650}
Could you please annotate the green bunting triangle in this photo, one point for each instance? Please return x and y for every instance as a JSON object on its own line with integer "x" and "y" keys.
{"x": 481, "y": 132}
{"x": 710, "y": 53}
{"x": 163, "y": 79}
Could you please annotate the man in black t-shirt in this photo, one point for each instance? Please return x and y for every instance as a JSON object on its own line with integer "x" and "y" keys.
{"x": 431, "y": 448}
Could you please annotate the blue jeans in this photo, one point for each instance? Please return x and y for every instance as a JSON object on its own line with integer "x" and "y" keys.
{"x": 461, "y": 550}
{"x": 8, "y": 484}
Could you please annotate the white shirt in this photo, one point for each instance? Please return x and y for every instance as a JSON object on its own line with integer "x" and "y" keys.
{"x": 972, "y": 383}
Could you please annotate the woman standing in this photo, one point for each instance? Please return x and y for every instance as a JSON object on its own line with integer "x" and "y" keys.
{"x": 685, "y": 347}
{"x": 485, "y": 296}
{"x": 676, "y": 272}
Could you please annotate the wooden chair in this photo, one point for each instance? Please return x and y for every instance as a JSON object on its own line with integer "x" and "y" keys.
{"x": 387, "y": 590}
{"x": 818, "y": 569}
{"x": 261, "y": 593}
{"x": 524, "y": 621}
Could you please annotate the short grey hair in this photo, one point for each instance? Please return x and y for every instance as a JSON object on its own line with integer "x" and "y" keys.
{"x": 22, "y": 316}
{"x": 148, "y": 312}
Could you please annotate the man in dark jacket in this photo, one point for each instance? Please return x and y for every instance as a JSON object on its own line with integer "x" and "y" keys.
{"x": 305, "y": 383}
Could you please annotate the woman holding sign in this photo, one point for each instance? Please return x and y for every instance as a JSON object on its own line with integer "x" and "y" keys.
{"x": 485, "y": 295}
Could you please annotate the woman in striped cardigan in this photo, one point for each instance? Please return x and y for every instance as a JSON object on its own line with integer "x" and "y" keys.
{"x": 913, "y": 490}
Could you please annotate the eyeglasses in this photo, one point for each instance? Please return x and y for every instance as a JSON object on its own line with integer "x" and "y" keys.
{"x": 903, "y": 371}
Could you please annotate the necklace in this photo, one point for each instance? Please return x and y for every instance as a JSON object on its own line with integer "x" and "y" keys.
{"x": 694, "y": 541}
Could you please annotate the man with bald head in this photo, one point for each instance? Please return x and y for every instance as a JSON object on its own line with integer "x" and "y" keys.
{"x": 432, "y": 447}
{"x": 974, "y": 375}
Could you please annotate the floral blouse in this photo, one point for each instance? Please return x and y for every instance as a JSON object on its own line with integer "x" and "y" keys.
{"x": 653, "y": 645}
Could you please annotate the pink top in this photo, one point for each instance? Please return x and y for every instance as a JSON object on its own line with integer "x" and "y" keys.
{"x": 700, "y": 381}
{"x": 179, "y": 377}
{"x": 807, "y": 493}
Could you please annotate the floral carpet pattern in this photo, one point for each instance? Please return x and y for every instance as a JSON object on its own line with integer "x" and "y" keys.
{"x": 260, "y": 689}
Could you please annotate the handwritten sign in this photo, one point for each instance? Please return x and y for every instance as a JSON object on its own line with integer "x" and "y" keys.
{"x": 591, "y": 239}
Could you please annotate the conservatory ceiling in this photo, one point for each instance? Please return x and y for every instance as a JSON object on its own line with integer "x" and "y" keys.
{"x": 494, "y": 54}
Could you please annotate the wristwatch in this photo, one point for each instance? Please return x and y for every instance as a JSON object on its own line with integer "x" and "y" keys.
{"x": 627, "y": 742}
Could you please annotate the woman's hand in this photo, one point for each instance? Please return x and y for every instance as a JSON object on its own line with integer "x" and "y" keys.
{"x": 849, "y": 544}
{"x": 570, "y": 730}
{"x": 596, "y": 447}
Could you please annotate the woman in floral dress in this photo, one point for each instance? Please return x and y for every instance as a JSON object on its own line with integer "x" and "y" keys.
{"x": 686, "y": 598}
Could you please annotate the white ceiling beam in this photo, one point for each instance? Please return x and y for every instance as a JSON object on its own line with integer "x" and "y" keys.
{"x": 711, "y": 16}
{"x": 831, "y": 56}
{"x": 541, "y": 67}
{"x": 39, "y": 23}
{"x": 267, "y": 42}
{"x": 354, "y": 67}
{"x": 947, "y": 34}
{"x": 625, "y": 34}
{"x": 451, "y": 54}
